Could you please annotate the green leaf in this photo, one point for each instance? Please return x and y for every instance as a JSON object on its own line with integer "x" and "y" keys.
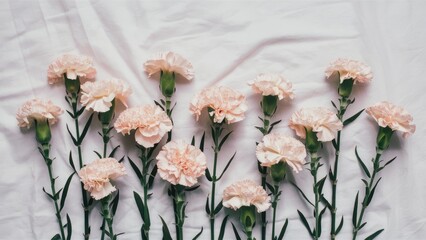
{"x": 339, "y": 227}
{"x": 152, "y": 176}
{"x": 218, "y": 207}
{"x": 69, "y": 228}
{"x": 86, "y": 128}
{"x": 326, "y": 202}
{"x": 305, "y": 222}
{"x": 56, "y": 237}
{"x": 364, "y": 168}
{"x": 71, "y": 115}
{"x": 113, "y": 151}
{"x": 202, "y": 142}
{"x": 355, "y": 212}
{"x": 135, "y": 168}
{"x": 139, "y": 204}
{"x": 303, "y": 194}
{"x": 334, "y": 143}
{"x": 320, "y": 184}
{"x": 207, "y": 206}
{"x": 370, "y": 196}
{"x": 270, "y": 187}
{"x": 208, "y": 176}
{"x": 223, "y": 227}
{"x": 226, "y": 167}
{"x": 158, "y": 104}
{"x": 71, "y": 162}
{"x": 353, "y": 118}
{"x": 237, "y": 236}
{"x": 283, "y": 229}
{"x": 261, "y": 129}
{"x": 80, "y": 111}
{"x": 48, "y": 194}
{"x": 98, "y": 154}
{"x": 224, "y": 140}
{"x": 114, "y": 203}
{"x": 65, "y": 191}
{"x": 320, "y": 220}
{"x": 389, "y": 162}
{"x": 199, "y": 234}
{"x": 334, "y": 105}
{"x": 374, "y": 235}
{"x": 273, "y": 125}
{"x": 72, "y": 136}
{"x": 193, "y": 141}
{"x": 190, "y": 189}
{"x": 166, "y": 232}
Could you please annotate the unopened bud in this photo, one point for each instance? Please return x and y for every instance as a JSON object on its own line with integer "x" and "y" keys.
{"x": 167, "y": 83}
{"x": 43, "y": 134}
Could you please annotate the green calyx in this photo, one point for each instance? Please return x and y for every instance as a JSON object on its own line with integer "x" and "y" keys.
{"x": 167, "y": 83}
{"x": 248, "y": 218}
{"x": 345, "y": 88}
{"x": 278, "y": 171}
{"x": 384, "y": 137}
{"x": 269, "y": 105}
{"x": 72, "y": 85}
{"x": 106, "y": 117}
{"x": 43, "y": 134}
{"x": 312, "y": 143}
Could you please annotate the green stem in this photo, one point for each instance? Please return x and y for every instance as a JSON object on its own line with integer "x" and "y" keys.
{"x": 106, "y": 213}
{"x": 74, "y": 101}
{"x": 314, "y": 171}
{"x": 144, "y": 182}
{"x": 45, "y": 153}
{"x": 179, "y": 201}
{"x": 263, "y": 172}
{"x": 274, "y": 208}
{"x": 105, "y": 138}
{"x": 217, "y": 130}
{"x": 169, "y": 113}
{"x": 367, "y": 195}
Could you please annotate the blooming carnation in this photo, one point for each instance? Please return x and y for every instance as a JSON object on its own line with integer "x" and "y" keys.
{"x": 99, "y": 95}
{"x": 150, "y": 122}
{"x": 96, "y": 176}
{"x": 181, "y": 163}
{"x": 224, "y": 102}
{"x": 395, "y": 117}
{"x": 320, "y": 120}
{"x": 73, "y": 66}
{"x": 169, "y": 62}
{"x": 276, "y": 147}
{"x": 39, "y": 110}
{"x": 246, "y": 193}
{"x": 272, "y": 84}
{"x": 350, "y": 69}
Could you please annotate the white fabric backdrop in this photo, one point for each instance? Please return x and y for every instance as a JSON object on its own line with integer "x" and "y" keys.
{"x": 229, "y": 43}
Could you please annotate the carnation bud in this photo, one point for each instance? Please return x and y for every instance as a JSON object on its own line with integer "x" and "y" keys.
{"x": 278, "y": 171}
{"x": 106, "y": 117}
{"x": 312, "y": 143}
{"x": 167, "y": 83}
{"x": 384, "y": 137}
{"x": 72, "y": 85}
{"x": 248, "y": 218}
{"x": 345, "y": 88}
{"x": 269, "y": 105}
{"x": 43, "y": 134}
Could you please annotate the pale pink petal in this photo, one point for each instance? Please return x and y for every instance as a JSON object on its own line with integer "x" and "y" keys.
{"x": 37, "y": 109}
{"x": 246, "y": 193}
{"x": 350, "y": 69}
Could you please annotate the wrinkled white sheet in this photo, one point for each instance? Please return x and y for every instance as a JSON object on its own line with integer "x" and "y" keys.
{"x": 229, "y": 43}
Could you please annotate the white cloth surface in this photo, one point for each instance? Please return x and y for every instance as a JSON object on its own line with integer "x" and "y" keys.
{"x": 229, "y": 43}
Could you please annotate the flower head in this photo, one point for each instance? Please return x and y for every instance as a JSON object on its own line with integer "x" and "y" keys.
{"x": 223, "y": 103}
{"x": 150, "y": 122}
{"x": 169, "y": 62}
{"x": 350, "y": 69}
{"x": 273, "y": 85}
{"x": 98, "y": 95}
{"x": 73, "y": 66}
{"x": 320, "y": 120}
{"x": 38, "y": 110}
{"x": 276, "y": 148}
{"x": 181, "y": 163}
{"x": 395, "y": 117}
{"x": 97, "y": 175}
{"x": 246, "y": 193}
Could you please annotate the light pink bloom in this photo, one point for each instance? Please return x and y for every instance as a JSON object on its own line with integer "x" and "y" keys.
{"x": 150, "y": 122}
{"x": 98, "y": 95}
{"x": 224, "y": 103}
{"x": 272, "y": 84}
{"x": 39, "y": 110}
{"x": 97, "y": 175}
{"x": 395, "y": 117}
{"x": 73, "y": 66}
{"x": 246, "y": 193}
{"x": 169, "y": 62}
{"x": 320, "y": 120}
{"x": 181, "y": 163}
{"x": 277, "y": 147}
{"x": 350, "y": 69}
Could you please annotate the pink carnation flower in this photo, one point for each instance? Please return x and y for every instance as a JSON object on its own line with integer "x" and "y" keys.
{"x": 150, "y": 122}
{"x": 272, "y": 84}
{"x": 350, "y": 69}
{"x": 181, "y": 163}
{"x": 395, "y": 117}
{"x": 246, "y": 193}
{"x": 98, "y": 95}
{"x": 320, "y": 120}
{"x": 39, "y": 110}
{"x": 224, "y": 102}
{"x": 169, "y": 62}
{"x": 73, "y": 66}
{"x": 97, "y": 176}
{"x": 276, "y": 147}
